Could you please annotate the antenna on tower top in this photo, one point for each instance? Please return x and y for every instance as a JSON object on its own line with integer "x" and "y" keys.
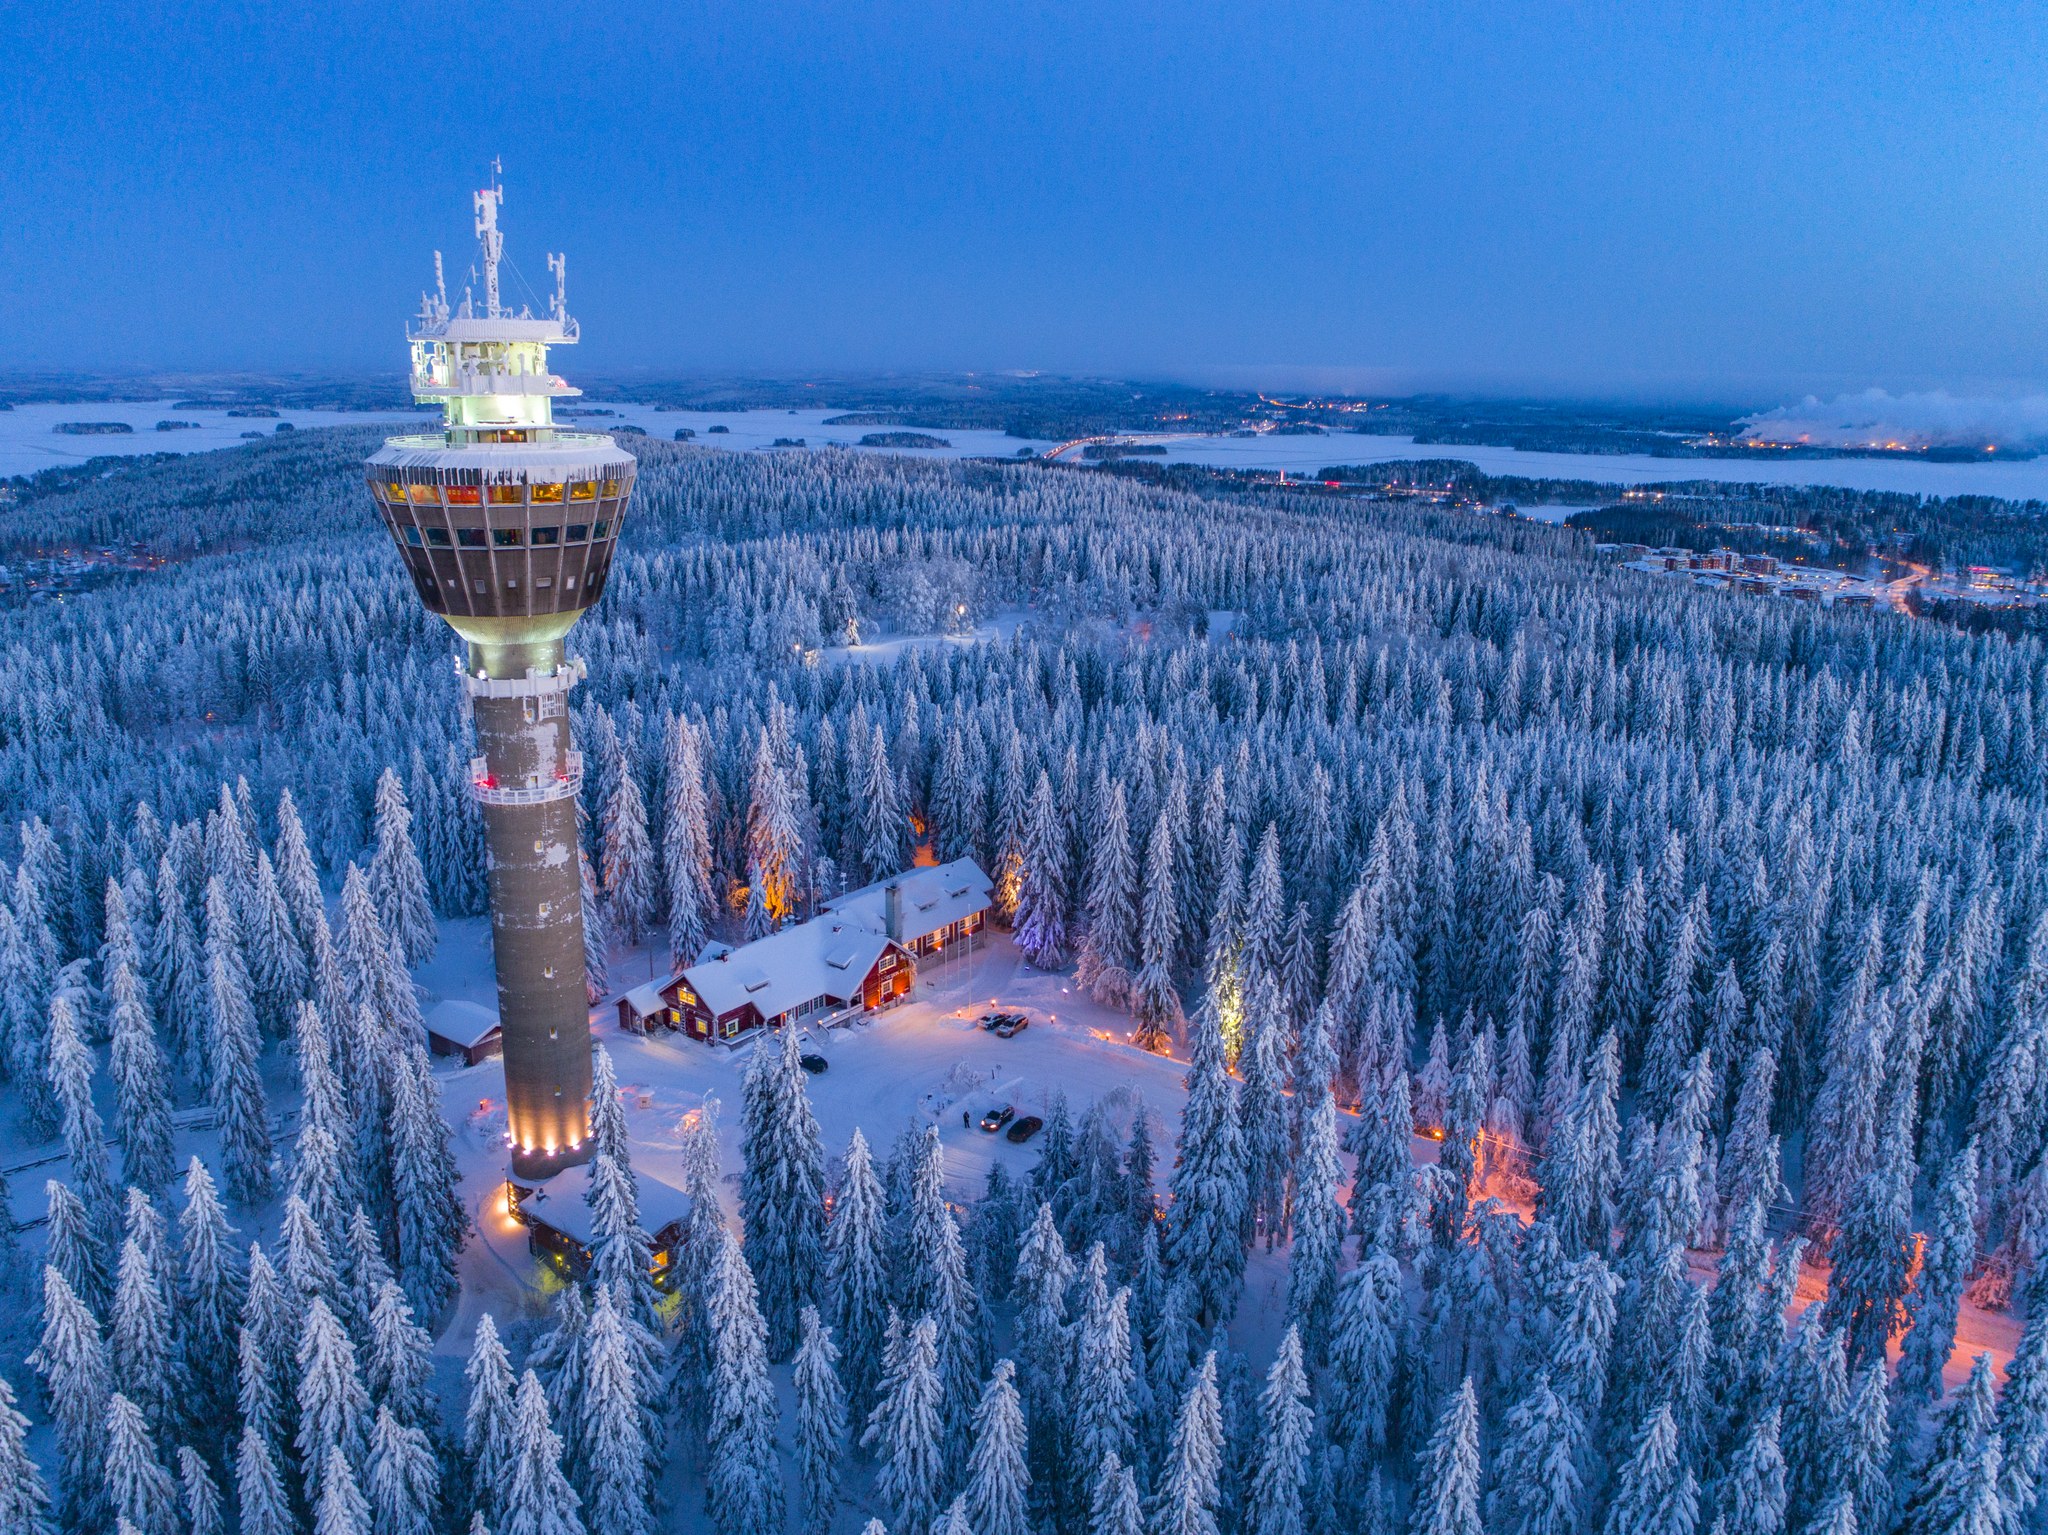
{"x": 440, "y": 287}
{"x": 558, "y": 263}
{"x": 488, "y": 201}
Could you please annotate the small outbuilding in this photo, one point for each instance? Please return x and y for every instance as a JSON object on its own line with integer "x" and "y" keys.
{"x": 465, "y": 1029}
{"x": 560, "y": 1229}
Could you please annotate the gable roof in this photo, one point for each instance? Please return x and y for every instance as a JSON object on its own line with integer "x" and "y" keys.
{"x": 934, "y": 896}
{"x": 825, "y": 957}
{"x": 563, "y": 1202}
{"x": 467, "y": 1024}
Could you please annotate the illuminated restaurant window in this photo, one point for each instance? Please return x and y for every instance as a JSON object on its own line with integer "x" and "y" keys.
{"x": 546, "y": 492}
{"x": 505, "y": 495}
{"x": 582, "y": 492}
{"x": 423, "y": 493}
{"x": 611, "y": 487}
{"x": 464, "y": 495}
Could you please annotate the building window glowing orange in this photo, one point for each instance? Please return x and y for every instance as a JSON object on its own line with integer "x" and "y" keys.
{"x": 463, "y": 495}
{"x": 582, "y": 492}
{"x": 505, "y": 495}
{"x": 546, "y": 492}
{"x": 426, "y": 494}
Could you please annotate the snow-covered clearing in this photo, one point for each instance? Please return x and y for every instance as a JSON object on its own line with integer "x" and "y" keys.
{"x": 30, "y": 441}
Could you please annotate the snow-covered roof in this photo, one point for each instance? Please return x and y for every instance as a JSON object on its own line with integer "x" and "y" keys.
{"x": 646, "y": 1000}
{"x": 563, "y": 1204}
{"x": 825, "y": 957}
{"x": 935, "y": 896}
{"x": 467, "y": 1024}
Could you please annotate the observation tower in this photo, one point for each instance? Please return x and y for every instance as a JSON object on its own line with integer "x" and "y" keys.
{"x": 506, "y": 525}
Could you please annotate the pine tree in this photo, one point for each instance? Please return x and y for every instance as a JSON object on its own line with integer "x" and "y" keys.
{"x": 820, "y": 1423}
{"x": 24, "y": 1501}
{"x": 615, "y": 1452}
{"x": 265, "y": 1349}
{"x": 1318, "y": 1249}
{"x": 1041, "y": 915}
{"x": 933, "y": 1281}
{"x": 537, "y": 1498}
{"x": 691, "y": 1354}
{"x": 139, "y": 1489}
{"x": 1109, "y": 945}
{"x": 297, "y": 879}
{"x": 1262, "y": 1109}
{"x": 204, "y": 1514}
{"x": 489, "y": 1435}
{"x": 1447, "y": 1482}
{"x": 1364, "y": 1352}
{"x": 397, "y": 882}
{"x": 858, "y": 1283}
{"x": 77, "y": 1247}
{"x": 139, "y": 1340}
{"x": 398, "y": 1366}
{"x": 142, "y": 1114}
{"x": 2023, "y": 1412}
{"x": 277, "y": 962}
{"x": 1190, "y": 1482}
{"x": 744, "y": 1486}
{"x": 1948, "y": 1494}
{"x": 1102, "y": 1374}
{"x": 24, "y": 998}
{"x": 1752, "y": 1493}
{"x": 1044, "y": 1271}
{"x": 403, "y": 1478}
{"x": 1287, "y": 1432}
{"x": 1113, "y": 1508}
{"x": 782, "y": 1188}
{"x": 906, "y": 1434}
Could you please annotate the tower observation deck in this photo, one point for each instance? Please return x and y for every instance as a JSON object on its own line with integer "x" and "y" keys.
{"x": 506, "y": 525}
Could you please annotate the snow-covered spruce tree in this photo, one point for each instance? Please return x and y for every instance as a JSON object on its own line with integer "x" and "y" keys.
{"x": 1874, "y": 1248}
{"x": 1280, "y": 1487}
{"x": 1154, "y": 1001}
{"x": 334, "y": 1409}
{"x": 142, "y": 1099}
{"x": 199, "y": 1494}
{"x": 820, "y": 1423}
{"x": 1655, "y": 1494}
{"x": 998, "y": 1491}
{"x": 432, "y": 1222}
{"x": 298, "y": 880}
{"x": 934, "y": 1282}
{"x": 266, "y": 1344}
{"x": 1109, "y": 946}
{"x": 70, "y": 1066}
{"x": 1447, "y": 1482}
{"x": 139, "y": 1489}
{"x": 1751, "y": 1495}
{"x": 72, "y": 1361}
{"x": 340, "y": 1508}
{"x": 782, "y": 1188}
{"x": 743, "y": 1486}
{"x": 1946, "y": 1259}
{"x": 260, "y": 1498}
{"x": 775, "y": 841}
{"x": 277, "y": 962}
{"x": 1205, "y": 1220}
{"x": 906, "y": 1435}
{"x": 597, "y": 937}
{"x": 397, "y": 882}
{"x": 1318, "y": 1248}
{"x": 235, "y": 1083}
{"x": 628, "y": 862}
{"x": 690, "y": 1354}
{"x": 1044, "y": 1272}
{"x": 1115, "y": 1509}
{"x": 1102, "y": 1375}
{"x": 139, "y": 1342}
{"x": 24, "y": 992}
{"x": 77, "y": 1247}
{"x": 1041, "y": 915}
{"x": 2023, "y": 1414}
{"x": 1190, "y": 1481}
{"x": 489, "y": 1439}
{"x": 620, "y": 1249}
{"x": 617, "y": 1497}
{"x": 1262, "y": 1110}
{"x": 1947, "y": 1493}
{"x": 402, "y": 1478}
{"x": 857, "y": 1286}
{"x": 1537, "y": 1481}
{"x": 398, "y": 1365}
{"x": 686, "y": 847}
{"x": 24, "y": 1500}
{"x": 537, "y": 1499}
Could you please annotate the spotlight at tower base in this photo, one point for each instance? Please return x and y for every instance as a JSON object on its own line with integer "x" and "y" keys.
{"x": 507, "y": 525}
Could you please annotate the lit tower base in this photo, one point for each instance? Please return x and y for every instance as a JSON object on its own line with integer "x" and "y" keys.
{"x": 506, "y": 526}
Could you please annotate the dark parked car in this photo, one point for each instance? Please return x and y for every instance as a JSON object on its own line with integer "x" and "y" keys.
{"x": 813, "y": 1063}
{"x": 1011, "y": 1024}
{"x": 1024, "y": 1129}
{"x": 997, "y": 1117}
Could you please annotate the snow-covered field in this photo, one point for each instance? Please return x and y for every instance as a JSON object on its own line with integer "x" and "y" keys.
{"x": 30, "y": 441}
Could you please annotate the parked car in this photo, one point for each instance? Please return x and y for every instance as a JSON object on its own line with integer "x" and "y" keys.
{"x": 813, "y": 1063}
{"x": 997, "y": 1117}
{"x": 1010, "y": 1025}
{"x": 1024, "y": 1129}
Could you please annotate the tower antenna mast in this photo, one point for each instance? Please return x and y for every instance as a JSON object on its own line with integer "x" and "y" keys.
{"x": 488, "y": 202}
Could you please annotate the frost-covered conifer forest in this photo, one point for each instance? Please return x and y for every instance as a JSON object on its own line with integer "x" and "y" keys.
{"x": 1608, "y": 1026}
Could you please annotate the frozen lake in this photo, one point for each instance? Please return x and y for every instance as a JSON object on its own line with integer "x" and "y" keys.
{"x": 29, "y": 441}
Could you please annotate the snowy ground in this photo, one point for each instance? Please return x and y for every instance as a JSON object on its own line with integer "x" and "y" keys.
{"x": 30, "y": 441}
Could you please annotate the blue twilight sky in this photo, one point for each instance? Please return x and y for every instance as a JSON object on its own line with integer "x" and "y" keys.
{"x": 1729, "y": 201}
